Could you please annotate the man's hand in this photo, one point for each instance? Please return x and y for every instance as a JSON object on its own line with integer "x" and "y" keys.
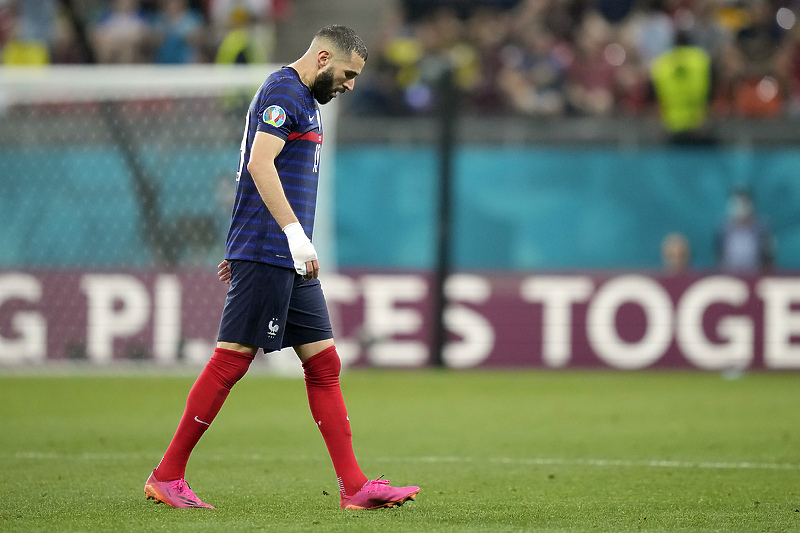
{"x": 303, "y": 253}
{"x": 224, "y": 272}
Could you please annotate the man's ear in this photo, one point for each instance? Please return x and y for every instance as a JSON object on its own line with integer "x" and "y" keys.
{"x": 323, "y": 58}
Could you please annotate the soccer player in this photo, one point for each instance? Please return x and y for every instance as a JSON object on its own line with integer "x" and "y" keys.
{"x": 275, "y": 299}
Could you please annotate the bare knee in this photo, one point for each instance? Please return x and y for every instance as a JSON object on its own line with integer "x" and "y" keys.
{"x": 236, "y": 347}
{"x": 307, "y": 351}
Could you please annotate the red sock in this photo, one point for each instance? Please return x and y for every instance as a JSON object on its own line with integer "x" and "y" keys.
{"x": 330, "y": 414}
{"x": 206, "y": 397}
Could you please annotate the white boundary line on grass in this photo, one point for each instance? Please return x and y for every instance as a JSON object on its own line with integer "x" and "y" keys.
{"x": 651, "y": 463}
{"x": 514, "y": 461}
{"x": 605, "y": 463}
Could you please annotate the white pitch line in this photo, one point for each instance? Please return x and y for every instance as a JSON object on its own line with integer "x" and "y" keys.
{"x": 651, "y": 463}
{"x": 513, "y": 461}
{"x": 604, "y": 463}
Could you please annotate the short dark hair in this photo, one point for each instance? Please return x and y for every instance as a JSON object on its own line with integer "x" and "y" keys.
{"x": 345, "y": 39}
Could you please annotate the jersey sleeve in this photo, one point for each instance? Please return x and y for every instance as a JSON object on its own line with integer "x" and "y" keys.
{"x": 278, "y": 114}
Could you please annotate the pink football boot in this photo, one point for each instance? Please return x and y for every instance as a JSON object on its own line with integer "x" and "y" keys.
{"x": 173, "y": 493}
{"x": 377, "y": 494}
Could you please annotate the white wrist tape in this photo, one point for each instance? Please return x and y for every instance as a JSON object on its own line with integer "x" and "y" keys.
{"x": 300, "y": 246}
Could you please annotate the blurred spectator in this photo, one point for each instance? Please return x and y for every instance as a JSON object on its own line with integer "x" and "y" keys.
{"x": 394, "y": 67}
{"x": 682, "y": 82}
{"x": 7, "y": 12}
{"x": 591, "y": 82}
{"x": 121, "y": 34}
{"x": 412, "y": 64}
{"x": 489, "y": 30}
{"x": 632, "y": 78}
{"x": 24, "y": 34}
{"x": 248, "y": 41}
{"x": 675, "y": 254}
{"x": 702, "y": 24}
{"x": 532, "y": 77}
{"x": 444, "y": 47}
{"x": 744, "y": 243}
{"x": 248, "y": 29}
{"x": 66, "y": 49}
{"x": 562, "y": 17}
{"x": 758, "y": 89}
{"x": 760, "y": 37}
{"x": 240, "y": 45}
{"x": 651, "y": 30}
{"x": 37, "y": 20}
{"x": 178, "y": 32}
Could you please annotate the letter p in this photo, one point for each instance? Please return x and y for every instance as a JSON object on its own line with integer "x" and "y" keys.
{"x": 119, "y": 306}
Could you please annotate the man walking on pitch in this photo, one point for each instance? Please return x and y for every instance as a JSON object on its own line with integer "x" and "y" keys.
{"x": 275, "y": 299}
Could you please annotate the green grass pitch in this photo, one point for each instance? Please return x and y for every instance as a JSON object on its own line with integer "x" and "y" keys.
{"x": 493, "y": 451}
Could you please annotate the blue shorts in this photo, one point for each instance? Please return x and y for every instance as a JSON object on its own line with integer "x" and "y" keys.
{"x": 273, "y": 307}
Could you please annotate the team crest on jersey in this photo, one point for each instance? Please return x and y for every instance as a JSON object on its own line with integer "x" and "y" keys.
{"x": 274, "y": 115}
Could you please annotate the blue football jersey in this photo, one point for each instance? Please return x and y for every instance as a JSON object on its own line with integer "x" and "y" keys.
{"x": 283, "y": 107}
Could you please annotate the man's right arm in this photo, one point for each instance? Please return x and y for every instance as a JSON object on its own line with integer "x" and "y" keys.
{"x": 261, "y": 166}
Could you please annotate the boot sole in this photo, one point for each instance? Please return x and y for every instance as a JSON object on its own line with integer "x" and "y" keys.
{"x": 387, "y": 505}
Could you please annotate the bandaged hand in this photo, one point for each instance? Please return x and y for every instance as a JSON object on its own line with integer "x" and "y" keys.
{"x": 302, "y": 250}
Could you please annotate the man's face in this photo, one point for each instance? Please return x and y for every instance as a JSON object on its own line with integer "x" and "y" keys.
{"x": 740, "y": 208}
{"x": 337, "y": 78}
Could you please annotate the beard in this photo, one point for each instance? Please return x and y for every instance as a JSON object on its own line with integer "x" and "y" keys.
{"x": 322, "y": 89}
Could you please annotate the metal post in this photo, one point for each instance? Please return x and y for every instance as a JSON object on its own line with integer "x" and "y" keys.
{"x": 448, "y": 102}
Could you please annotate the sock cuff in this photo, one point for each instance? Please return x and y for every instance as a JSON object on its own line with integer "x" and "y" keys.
{"x": 228, "y": 366}
{"x": 322, "y": 369}
{"x": 222, "y": 352}
{"x": 316, "y": 358}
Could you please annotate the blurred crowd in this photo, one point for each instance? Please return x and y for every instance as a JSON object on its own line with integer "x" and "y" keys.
{"x": 593, "y": 57}
{"x": 690, "y": 58}
{"x": 40, "y": 32}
